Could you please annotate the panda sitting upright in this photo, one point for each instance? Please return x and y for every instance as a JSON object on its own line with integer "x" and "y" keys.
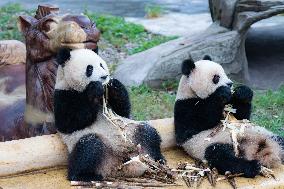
{"x": 203, "y": 92}
{"x": 96, "y": 149}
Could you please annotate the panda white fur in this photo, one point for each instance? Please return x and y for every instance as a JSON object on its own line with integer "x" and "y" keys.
{"x": 96, "y": 149}
{"x": 203, "y": 92}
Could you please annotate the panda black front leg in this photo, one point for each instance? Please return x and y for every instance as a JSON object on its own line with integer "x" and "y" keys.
{"x": 75, "y": 110}
{"x": 241, "y": 101}
{"x": 118, "y": 98}
{"x": 85, "y": 159}
{"x": 222, "y": 157}
{"x": 150, "y": 141}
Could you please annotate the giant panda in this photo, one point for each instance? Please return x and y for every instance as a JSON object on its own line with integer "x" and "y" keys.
{"x": 204, "y": 90}
{"x": 96, "y": 149}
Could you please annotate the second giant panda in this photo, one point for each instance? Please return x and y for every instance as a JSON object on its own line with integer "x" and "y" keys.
{"x": 203, "y": 92}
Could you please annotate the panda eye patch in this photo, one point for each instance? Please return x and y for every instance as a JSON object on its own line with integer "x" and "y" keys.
{"x": 102, "y": 66}
{"x": 89, "y": 70}
{"x": 216, "y": 79}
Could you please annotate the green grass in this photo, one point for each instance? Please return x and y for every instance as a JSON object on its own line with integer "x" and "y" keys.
{"x": 152, "y": 42}
{"x": 153, "y": 11}
{"x": 8, "y": 21}
{"x": 268, "y": 107}
{"x": 129, "y": 37}
{"x": 268, "y": 110}
{"x": 151, "y": 104}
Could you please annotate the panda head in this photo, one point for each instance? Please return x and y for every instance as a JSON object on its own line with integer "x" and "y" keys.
{"x": 77, "y": 68}
{"x": 200, "y": 79}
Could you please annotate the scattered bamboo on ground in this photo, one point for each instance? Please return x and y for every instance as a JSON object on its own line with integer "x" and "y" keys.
{"x": 158, "y": 170}
{"x": 268, "y": 173}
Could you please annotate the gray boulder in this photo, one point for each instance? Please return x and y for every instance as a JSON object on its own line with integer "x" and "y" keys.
{"x": 224, "y": 41}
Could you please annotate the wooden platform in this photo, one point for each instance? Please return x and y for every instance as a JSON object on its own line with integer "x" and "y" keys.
{"x": 56, "y": 178}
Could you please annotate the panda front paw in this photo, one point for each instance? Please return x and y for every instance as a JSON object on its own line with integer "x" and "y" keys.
{"x": 223, "y": 94}
{"x": 252, "y": 169}
{"x": 94, "y": 90}
{"x": 114, "y": 84}
{"x": 243, "y": 94}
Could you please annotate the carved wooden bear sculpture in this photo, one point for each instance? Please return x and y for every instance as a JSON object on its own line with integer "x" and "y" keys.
{"x": 44, "y": 35}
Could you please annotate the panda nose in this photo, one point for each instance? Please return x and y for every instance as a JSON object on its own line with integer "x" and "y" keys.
{"x": 104, "y": 77}
{"x": 230, "y": 84}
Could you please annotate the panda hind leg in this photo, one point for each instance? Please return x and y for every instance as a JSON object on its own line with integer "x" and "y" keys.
{"x": 150, "y": 141}
{"x": 254, "y": 146}
{"x": 85, "y": 159}
{"x": 222, "y": 157}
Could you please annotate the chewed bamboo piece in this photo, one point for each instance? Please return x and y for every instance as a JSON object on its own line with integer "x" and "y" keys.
{"x": 194, "y": 174}
{"x": 113, "y": 118}
{"x": 268, "y": 173}
{"x": 158, "y": 171}
{"x": 121, "y": 183}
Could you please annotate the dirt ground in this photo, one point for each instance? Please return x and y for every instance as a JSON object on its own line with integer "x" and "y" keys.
{"x": 56, "y": 178}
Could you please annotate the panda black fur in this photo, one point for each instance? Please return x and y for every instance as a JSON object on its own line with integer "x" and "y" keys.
{"x": 203, "y": 92}
{"x": 92, "y": 144}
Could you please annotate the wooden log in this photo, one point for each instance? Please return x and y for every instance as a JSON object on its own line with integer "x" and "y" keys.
{"x": 21, "y": 156}
{"x": 165, "y": 128}
{"x": 12, "y": 52}
{"x": 25, "y": 155}
{"x": 41, "y": 152}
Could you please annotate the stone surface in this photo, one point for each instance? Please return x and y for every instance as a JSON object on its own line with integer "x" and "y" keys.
{"x": 249, "y": 12}
{"x": 223, "y": 11}
{"x": 224, "y": 41}
{"x": 12, "y": 52}
{"x": 163, "y": 62}
{"x": 175, "y": 24}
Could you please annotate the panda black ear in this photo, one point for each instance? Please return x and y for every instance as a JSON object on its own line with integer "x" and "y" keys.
{"x": 96, "y": 50}
{"x": 187, "y": 66}
{"x": 63, "y": 55}
{"x": 207, "y": 57}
